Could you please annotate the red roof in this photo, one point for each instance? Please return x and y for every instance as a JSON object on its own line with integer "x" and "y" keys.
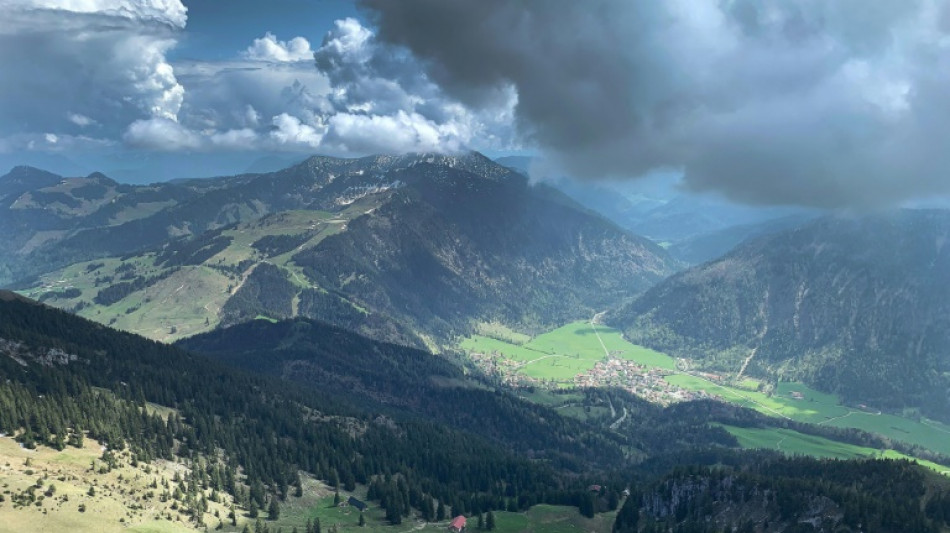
{"x": 458, "y": 523}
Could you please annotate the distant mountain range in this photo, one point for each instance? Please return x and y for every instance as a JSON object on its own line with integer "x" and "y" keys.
{"x": 410, "y": 248}
{"x": 859, "y": 306}
{"x": 693, "y": 227}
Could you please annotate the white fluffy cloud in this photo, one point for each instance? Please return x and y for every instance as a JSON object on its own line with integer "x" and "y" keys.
{"x": 162, "y": 133}
{"x": 74, "y": 69}
{"x": 68, "y": 64}
{"x": 381, "y": 100}
{"x": 360, "y": 97}
{"x": 268, "y": 48}
{"x": 170, "y": 12}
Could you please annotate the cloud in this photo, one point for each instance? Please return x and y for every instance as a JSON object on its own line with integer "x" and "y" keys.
{"x": 68, "y": 64}
{"x": 291, "y": 131}
{"x": 353, "y": 96}
{"x": 70, "y": 67}
{"x": 162, "y": 134}
{"x": 268, "y": 48}
{"x": 168, "y": 12}
{"x": 816, "y": 103}
{"x": 80, "y": 120}
{"x": 381, "y": 99}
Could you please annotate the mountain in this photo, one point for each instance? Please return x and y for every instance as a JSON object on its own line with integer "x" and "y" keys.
{"x": 249, "y": 437}
{"x": 708, "y": 246}
{"x": 657, "y": 207}
{"x": 400, "y": 380}
{"x": 412, "y": 249}
{"x": 130, "y": 433}
{"x": 858, "y": 306}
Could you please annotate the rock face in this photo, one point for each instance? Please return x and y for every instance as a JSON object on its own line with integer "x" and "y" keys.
{"x": 856, "y": 306}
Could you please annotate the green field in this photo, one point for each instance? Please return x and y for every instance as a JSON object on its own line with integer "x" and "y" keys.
{"x": 317, "y": 502}
{"x": 795, "y": 443}
{"x": 552, "y": 519}
{"x": 825, "y": 409}
{"x": 559, "y": 355}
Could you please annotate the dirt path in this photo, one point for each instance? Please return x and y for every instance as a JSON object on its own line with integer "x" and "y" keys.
{"x": 746, "y": 363}
{"x": 620, "y": 420}
{"x": 846, "y": 415}
{"x": 593, "y": 320}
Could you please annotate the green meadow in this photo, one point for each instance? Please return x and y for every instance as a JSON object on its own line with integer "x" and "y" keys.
{"x": 794, "y": 443}
{"x": 559, "y": 355}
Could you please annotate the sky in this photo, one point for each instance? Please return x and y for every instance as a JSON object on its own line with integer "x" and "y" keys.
{"x": 768, "y": 102}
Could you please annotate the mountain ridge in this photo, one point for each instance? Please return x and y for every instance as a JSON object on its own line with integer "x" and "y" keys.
{"x": 854, "y": 305}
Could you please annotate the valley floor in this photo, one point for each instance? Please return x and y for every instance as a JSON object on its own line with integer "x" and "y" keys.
{"x": 587, "y": 354}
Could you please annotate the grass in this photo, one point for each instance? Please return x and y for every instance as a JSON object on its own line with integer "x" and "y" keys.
{"x": 113, "y": 508}
{"x": 559, "y": 355}
{"x": 552, "y": 519}
{"x": 317, "y": 502}
{"x": 796, "y": 443}
{"x": 826, "y": 409}
{"x": 190, "y": 301}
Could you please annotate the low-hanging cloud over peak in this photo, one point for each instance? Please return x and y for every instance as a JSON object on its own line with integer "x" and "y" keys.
{"x": 816, "y": 103}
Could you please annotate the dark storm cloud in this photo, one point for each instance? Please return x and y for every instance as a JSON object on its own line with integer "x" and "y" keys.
{"x": 811, "y": 102}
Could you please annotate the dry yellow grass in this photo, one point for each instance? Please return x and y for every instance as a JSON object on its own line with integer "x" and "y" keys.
{"x": 122, "y": 500}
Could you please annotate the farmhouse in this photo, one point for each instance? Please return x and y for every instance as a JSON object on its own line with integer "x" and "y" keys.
{"x": 353, "y": 502}
{"x": 458, "y": 524}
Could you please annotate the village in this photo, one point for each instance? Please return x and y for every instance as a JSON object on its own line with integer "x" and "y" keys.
{"x": 648, "y": 383}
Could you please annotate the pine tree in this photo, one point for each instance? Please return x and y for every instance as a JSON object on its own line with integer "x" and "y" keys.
{"x": 362, "y": 520}
{"x": 490, "y": 521}
{"x": 273, "y": 512}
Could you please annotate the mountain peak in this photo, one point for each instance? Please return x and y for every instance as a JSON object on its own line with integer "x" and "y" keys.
{"x": 23, "y": 173}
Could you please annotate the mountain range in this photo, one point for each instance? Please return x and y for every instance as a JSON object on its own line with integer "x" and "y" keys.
{"x": 411, "y": 248}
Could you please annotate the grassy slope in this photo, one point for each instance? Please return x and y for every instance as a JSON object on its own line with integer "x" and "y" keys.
{"x": 190, "y": 301}
{"x": 69, "y": 470}
{"x": 795, "y": 443}
{"x": 118, "y": 491}
{"x": 562, "y": 353}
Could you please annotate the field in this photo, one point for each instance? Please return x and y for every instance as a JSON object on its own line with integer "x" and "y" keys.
{"x": 809, "y": 405}
{"x": 795, "y": 443}
{"x": 552, "y": 519}
{"x": 60, "y": 482}
{"x": 561, "y": 354}
{"x": 556, "y": 357}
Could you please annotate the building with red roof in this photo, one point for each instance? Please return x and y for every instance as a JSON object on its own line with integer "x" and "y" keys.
{"x": 458, "y": 524}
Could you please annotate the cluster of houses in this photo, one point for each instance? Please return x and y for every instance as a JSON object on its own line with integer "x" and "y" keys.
{"x": 647, "y": 383}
